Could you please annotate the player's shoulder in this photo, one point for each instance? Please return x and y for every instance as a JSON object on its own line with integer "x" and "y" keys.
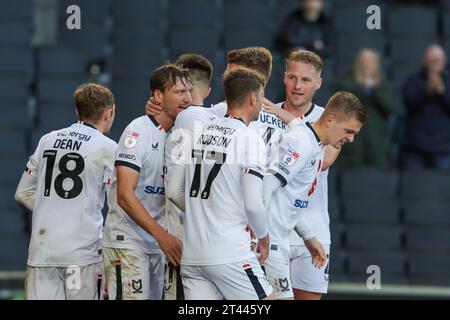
{"x": 220, "y": 108}
{"x": 314, "y": 113}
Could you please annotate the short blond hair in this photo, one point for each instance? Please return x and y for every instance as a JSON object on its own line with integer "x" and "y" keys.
{"x": 91, "y": 100}
{"x": 254, "y": 58}
{"x": 307, "y": 57}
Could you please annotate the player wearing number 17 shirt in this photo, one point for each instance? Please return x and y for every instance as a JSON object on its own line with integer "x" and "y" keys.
{"x": 223, "y": 183}
{"x": 64, "y": 185}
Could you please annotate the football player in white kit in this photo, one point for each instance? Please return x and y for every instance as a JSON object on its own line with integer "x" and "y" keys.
{"x": 135, "y": 240}
{"x": 64, "y": 185}
{"x": 293, "y": 180}
{"x": 301, "y": 80}
{"x": 223, "y": 180}
{"x": 200, "y": 73}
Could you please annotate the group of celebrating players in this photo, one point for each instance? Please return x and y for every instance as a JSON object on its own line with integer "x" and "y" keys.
{"x": 227, "y": 201}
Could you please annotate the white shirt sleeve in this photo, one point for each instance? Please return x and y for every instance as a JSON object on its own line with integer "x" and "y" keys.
{"x": 132, "y": 148}
{"x": 253, "y": 204}
{"x": 293, "y": 154}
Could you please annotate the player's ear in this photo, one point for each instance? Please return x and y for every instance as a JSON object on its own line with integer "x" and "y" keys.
{"x": 253, "y": 98}
{"x": 157, "y": 95}
{"x": 76, "y": 112}
{"x": 207, "y": 93}
{"x": 330, "y": 119}
{"x": 319, "y": 84}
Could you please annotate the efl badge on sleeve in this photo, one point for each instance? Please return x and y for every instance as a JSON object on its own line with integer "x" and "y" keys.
{"x": 290, "y": 157}
{"x": 131, "y": 139}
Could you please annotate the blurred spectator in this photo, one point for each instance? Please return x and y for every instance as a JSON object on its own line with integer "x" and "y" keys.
{"x": 427, "y": 102}
{"x": 368, "y": 82}
{"x": 305, "y": 28}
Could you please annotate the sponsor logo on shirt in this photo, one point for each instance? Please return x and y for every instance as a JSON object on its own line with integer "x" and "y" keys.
{"x": 154, "y": 190}
{"x": 301, "y": 203}
{"x": 290, "y": 157}
{"x": 127, "y": 156}
{"x": 131, "y": 139}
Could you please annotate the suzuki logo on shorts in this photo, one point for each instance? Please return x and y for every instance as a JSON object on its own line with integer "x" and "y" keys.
{"x": 300, "y": 204}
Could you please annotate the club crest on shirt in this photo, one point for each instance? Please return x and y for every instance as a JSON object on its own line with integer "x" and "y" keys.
{"x": 290, "y": 157}
{"x": 131, "y": 139}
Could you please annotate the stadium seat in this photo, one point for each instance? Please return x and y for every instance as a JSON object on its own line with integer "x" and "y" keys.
{"x": 7, "y": 191}
{"x": 283, "y": 8}
{"x": 334, "y": 208}
{"x": 247, "y": 38}
{"x": 427, "y": 213}
{"x": 136, "y": 64}
{"x": 139, "y": 11}
{"x": 409, "y": 49}
{"x": 193, "y": 40}
{"x": 91, "y": 39}
{"x": 426, "y": 185}
{"x": 13, "y": 88}
{"x": 428, "y": 239}
{"x": 15, "y": 61}
{"x": 58, "y": 90}
{"x": 13, "y": 169}
{"x": 54, "y": 62}
{"x": 352, "y": 20}
{"x": 429, "y": 269}
{"x": 12, "y": 142}
{"x": 132, "y": 38}
{"x": 425, "y": 21}
{"x": 195, "y": 13}
{"x": 392, "y": 265}
{"x": 91, "y": 11}
{"x": 371, "y": 210}
{"x": 15, "y": 33}
{"x": 348, "y": 46}
{"x": 14, "y": 115}
{"x": 249, "y": 14}
{"x": 16, "y": 10}
{"x": 57, "y": 115}
{"x": 369, "y": 183}
{"x": 374, "y": 237}
{"x": 402, "y": 72}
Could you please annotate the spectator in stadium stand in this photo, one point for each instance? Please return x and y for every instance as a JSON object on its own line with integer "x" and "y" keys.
{"x": 426, "y": 96}
{"x": 307, "y": 28}
{"x": 369, "y": 83}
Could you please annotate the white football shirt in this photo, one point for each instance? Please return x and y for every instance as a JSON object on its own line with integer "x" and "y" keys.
{"x": 215, "y": 215}
{"x": 72, "y": 166}
{"x": 187, "y": 122}
{"x": 297, "y": 165}
{"x": 141, "y": 147}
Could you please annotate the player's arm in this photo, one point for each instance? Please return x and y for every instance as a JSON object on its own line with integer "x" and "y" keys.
{"x": 331, "y": 154}
{"x": 26, "y": 190}
{"x": 252, "y": 183}
{"x": 313, "y": 245}
{"x": 127, "y": 179}
{"x": 272, "y": 108}
{"x": 176, "y": 186}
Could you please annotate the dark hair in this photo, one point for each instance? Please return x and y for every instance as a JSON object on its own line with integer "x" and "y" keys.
{"x": 91, "y": 100}
{"x": 346, "y": 104}
{"x": 239, "y": 83}
{"x": 254, "y": 58}
{"x": 305, "y": 56}
{"x": 200, "y": 68}
{"x": 165, "y": 77}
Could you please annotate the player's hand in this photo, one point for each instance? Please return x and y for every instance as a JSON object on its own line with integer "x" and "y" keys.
{"x": 152, "y": 108}
{"x": 253, "y": 237}
{"x": 262, "y": 248}
{"x": 172, "y": 248}
{"x": 318, "y": 255}
{"x": 272, "y": 108}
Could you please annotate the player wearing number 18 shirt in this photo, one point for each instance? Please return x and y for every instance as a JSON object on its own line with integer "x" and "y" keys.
{"x": 64, "y": 186}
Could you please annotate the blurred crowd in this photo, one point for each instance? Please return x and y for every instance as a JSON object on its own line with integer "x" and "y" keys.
{"x": 407, "y": 128}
